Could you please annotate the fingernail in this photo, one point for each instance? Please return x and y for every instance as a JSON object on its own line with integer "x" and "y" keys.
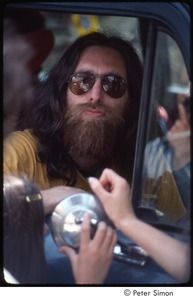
{"x": 91, "y": 178}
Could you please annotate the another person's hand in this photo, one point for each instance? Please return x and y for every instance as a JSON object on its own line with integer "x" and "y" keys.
{"x": 91, "y": 264}
{"x": 172, "y": 255}
{"x": 114, "y": 194}
{"x": 179, "y": 138}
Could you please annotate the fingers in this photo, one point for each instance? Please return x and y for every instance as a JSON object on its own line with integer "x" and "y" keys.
{"x": 108, "y": 182}
{"x": 98, "y": 188}
{"x": 85, "y": 230}
{"x": 91, "y": 263}
{"x": 118, "y": 185}
{"x": 110, "y": 239}
{"x": 102, "y": 189}
{"x": 100, "y": 233}
{"x": 110, "y": 178}
{"x": 84, "y": 239}
{"x": 105, "y": 237}
{"x": 182, "y": 123}
{"x": 182, "y": 113}
{"x": 68, "y": 251}
{"x": 45, "y": 229}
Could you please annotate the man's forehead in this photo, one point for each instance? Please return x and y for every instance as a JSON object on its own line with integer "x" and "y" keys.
{"x": 101, "y": 58}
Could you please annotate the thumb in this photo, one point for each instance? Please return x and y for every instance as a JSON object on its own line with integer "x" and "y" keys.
{"x": 68, "y": 251}
{"x": 97, "y": 187}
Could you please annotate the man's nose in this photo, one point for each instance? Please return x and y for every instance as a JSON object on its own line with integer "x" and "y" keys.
{"x": 96, "y": 91}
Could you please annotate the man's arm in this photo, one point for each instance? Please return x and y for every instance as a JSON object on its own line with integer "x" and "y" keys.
{"x": 51, "y": 197}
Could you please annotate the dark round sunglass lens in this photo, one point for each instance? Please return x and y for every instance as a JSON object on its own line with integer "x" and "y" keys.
{"x": 114, "y": 86}
{"x": 81, "y": 83}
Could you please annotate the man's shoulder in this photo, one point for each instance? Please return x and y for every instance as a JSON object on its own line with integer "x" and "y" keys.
{"x": 25, "y": 134}
{"x": 21, "y": 139}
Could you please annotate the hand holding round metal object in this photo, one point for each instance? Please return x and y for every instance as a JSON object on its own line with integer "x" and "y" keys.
{"x": 68, "y": 215}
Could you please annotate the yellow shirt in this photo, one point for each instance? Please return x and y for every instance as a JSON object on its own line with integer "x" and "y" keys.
{"x": 20, "y": 157}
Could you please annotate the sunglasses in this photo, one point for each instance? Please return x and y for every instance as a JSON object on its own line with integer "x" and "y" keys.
{"x": 81, "y": 82}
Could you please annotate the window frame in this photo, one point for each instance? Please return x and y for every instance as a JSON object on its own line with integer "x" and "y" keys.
{"x": 144, "y": 116}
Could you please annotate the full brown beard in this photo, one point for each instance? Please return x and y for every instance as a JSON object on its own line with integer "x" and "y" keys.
{"x": 96, "y": 138}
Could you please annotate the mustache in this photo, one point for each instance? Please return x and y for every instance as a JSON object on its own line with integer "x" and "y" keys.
{"x": 84, "y": 106}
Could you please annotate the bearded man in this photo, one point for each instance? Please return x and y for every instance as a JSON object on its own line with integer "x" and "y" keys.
{"x": 84, "y": 120}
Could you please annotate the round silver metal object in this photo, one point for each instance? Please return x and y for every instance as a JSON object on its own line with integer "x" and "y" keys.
{"x": 68, "y": 215}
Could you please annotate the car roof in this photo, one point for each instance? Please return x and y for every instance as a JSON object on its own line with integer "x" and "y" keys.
{"x": 175, "y": 16}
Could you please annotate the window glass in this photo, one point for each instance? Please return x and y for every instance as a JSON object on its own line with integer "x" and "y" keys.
{"x": 166, "y": 168}
{"x": 67, "y": 27}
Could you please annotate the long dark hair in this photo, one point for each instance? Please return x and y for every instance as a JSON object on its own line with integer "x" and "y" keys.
{"x": 46, "y": 120}
{"x": 23, "y": 219}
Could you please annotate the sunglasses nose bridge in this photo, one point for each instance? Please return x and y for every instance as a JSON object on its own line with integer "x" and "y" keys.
{"x": 96, "y": 89}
